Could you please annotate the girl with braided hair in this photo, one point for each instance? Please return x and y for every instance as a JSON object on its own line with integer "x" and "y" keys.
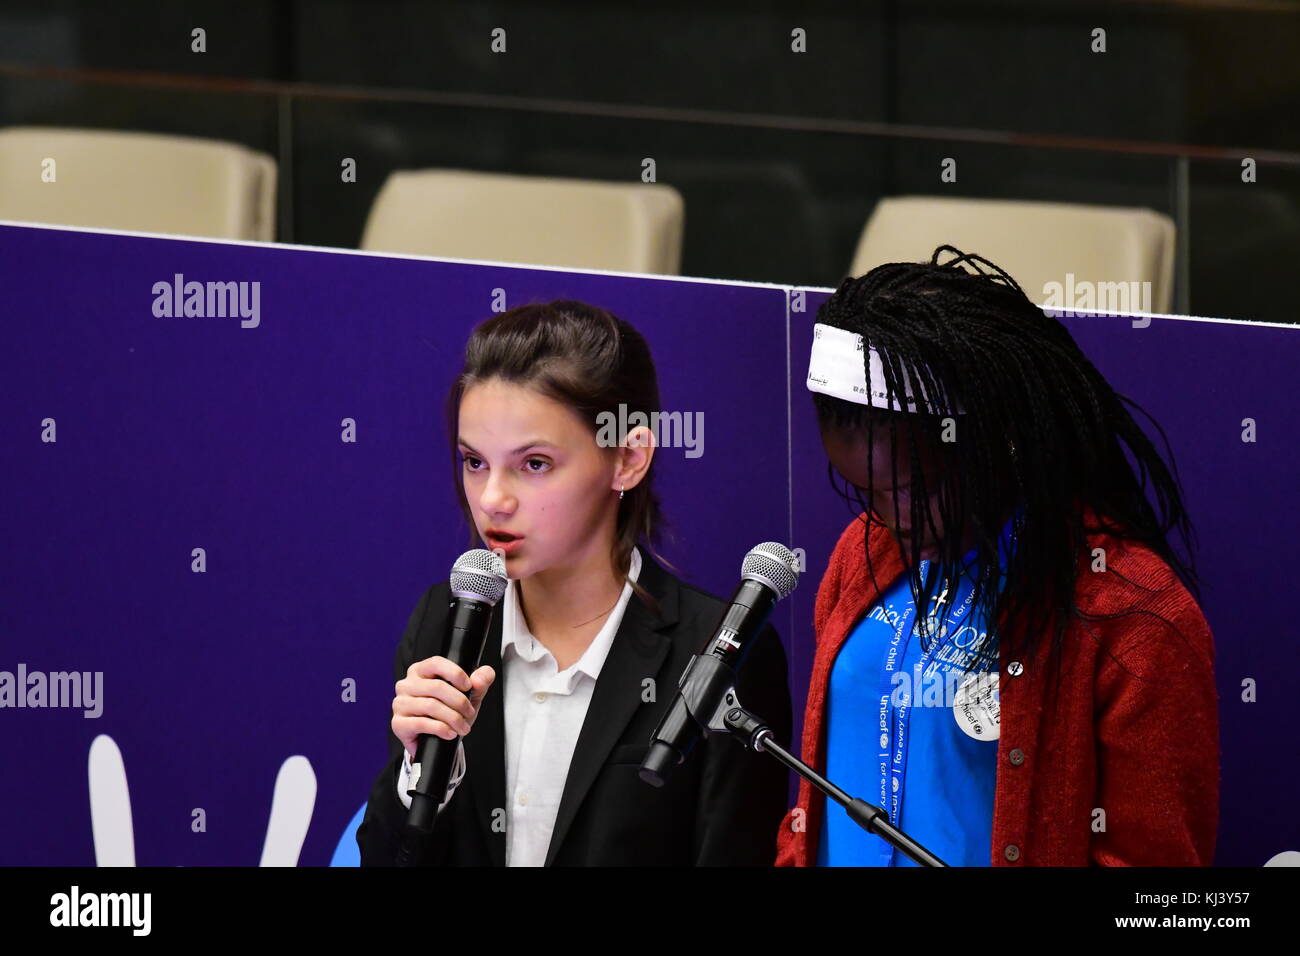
{"x": 1053, "y": 702}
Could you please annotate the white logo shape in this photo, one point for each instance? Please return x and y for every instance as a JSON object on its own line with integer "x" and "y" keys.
{"x": 110, "y": 808}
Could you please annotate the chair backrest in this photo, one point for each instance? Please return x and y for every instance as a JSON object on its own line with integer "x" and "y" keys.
{"x": 1038, "y": 243}
{"x": 574, "y": 223}
{"x": 145, "y": 182}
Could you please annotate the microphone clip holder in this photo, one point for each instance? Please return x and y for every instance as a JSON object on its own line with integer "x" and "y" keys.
{"x": 722, "y": 712}
{"x": 755, "y": 735}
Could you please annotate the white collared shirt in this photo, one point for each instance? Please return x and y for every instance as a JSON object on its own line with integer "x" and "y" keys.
{"x": 544, "y": 712}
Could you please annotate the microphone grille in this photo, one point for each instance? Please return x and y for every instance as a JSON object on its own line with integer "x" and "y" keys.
{"x": 773, "y": 564}
{"x": 479, "y": 575}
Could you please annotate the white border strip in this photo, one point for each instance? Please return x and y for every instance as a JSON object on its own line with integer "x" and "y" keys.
{"x": 339, "y": 250}
{"x": 734, "y": 283}
{"x": 1093, "y": 313}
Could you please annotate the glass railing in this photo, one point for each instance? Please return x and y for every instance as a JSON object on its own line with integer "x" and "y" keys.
{"x": 771, "y": 198}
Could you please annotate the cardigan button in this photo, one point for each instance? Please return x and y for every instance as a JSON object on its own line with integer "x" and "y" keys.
{"x": 1017, "y": 757}
{"x": 1011, "y": 852}
{"x": 1015, "y": 669}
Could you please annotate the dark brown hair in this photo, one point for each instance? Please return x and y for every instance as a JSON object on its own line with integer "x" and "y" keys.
{"x": 588, "y": 360}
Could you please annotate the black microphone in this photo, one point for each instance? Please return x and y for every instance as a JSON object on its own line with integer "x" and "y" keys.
{"x": 478, "y": 580}
{"x": 769, "y": 573}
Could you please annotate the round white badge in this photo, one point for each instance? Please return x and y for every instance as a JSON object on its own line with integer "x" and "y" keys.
{"x": 977, "y": 708}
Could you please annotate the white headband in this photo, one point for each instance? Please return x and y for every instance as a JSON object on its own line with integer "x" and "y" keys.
{"x": 836, "y": 368}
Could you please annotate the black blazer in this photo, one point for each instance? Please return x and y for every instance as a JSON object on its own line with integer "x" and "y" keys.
{"x": 723, "y": 806}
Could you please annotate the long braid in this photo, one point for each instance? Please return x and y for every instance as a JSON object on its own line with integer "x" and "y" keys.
{"x": 1039, "y": 438}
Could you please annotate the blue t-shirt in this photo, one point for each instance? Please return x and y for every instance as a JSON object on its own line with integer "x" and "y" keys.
{"x": 907, "y": 730}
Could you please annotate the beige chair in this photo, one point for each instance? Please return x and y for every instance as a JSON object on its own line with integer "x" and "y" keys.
{"x": 573, "y": 223}
{"x": 144, "y": 182}
{"x": 1038, "y": 243}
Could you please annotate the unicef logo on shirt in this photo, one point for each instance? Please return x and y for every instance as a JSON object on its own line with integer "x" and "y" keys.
{"x": 977, "y": 708}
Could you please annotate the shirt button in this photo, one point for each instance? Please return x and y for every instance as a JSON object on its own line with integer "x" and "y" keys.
{"x": 1011, "y": 852}
{"x": 539, "y": 697}
{"x": 1017, "y": 757}
{"x": 1015, "y": 669}
{"x": 523, "y": 798}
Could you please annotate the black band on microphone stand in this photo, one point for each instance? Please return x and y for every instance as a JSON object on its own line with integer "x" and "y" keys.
{"x": 706, "y": 679}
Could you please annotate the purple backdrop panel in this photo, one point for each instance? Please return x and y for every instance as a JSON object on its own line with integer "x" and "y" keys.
{"x": 226, "y": 434}
{"x": 1200, "y": 380}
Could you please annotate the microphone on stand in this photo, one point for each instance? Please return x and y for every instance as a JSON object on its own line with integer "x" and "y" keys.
{"x": 769, "y": 573}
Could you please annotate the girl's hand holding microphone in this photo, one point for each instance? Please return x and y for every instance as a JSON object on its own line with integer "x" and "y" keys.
{"x": 437, "y": 697}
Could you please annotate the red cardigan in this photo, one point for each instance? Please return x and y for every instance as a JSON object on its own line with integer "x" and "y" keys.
{"x": 1142, "y": 747}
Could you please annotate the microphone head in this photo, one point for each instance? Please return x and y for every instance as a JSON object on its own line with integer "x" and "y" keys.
{"x": 479, "y": 575}
{"x": 773, "y": 564}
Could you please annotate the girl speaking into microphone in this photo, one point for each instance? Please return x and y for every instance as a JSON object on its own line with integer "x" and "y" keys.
{"x": 588, "y": 643}
{"x": 1009, "y": 659}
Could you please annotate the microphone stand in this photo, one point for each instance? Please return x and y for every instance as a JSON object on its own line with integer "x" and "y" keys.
{"x": 750, "y": 732}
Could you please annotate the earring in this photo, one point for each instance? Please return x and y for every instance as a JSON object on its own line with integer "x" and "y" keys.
{"x": 620, "y": 492}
